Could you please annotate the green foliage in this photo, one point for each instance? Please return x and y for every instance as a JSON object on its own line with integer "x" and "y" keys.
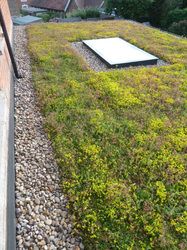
{"x": 159, "y": 11}
{"x": 156, "y": 12}
{"x": 184, "y": 4}
{"x": 85, "y": 13}
{"x": 120, "y": 137}
{"x": 130, "y": 9}
{"x": 176, "y": 16}
{"x": 49, "y": 15}
{"x": 23, "y": 12}
{"x": 179, "y": 28}
{"x": 170, "y": 15}
{"x": 163, "y": 13}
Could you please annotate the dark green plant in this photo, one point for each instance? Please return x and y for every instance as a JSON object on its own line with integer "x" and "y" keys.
{"x": 176, "y": 16}
{"x": 179, "y": 28}
{"x": 160, "y": 9}
{"x": 49, "y": 15}
{"x": 85, "y": 13}
{"x": 155, "y": 12}
{"x": 184, "y": 3}
{"x": 23, "y": 12}
{"x": 130, "y": 9}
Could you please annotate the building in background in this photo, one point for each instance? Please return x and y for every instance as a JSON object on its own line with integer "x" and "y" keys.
{"x": 65, "y": 5}
{"x": 15, "y": 6}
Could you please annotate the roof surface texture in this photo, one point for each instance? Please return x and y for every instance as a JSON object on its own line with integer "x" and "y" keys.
{"x": 92, "y": 3}
{"x": 61, "y": 5}
{"x": 48, "y": 4}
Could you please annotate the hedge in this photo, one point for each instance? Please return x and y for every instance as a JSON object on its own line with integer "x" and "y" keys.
{"x": 179, "y": 28}
{"x": 85, "y": 13}
{"x": 176, "y": 16}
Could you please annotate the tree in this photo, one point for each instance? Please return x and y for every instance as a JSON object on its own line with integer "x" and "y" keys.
{"x": 156, "y": 12}
{"x": 160, "y": 9}
{"x": 184, "y": 4}
{"x": 130, "y": 9}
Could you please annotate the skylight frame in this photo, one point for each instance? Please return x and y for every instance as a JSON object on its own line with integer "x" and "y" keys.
{"x": 93, "y": 45}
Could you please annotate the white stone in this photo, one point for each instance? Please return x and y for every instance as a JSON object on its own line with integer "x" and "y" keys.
{"x": 48, "y": 222}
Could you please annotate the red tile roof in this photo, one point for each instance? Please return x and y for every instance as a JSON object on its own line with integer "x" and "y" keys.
{"x": 92, "y": 3}
{"x": 58, "y": 5}
{"x": 61, "y": 5}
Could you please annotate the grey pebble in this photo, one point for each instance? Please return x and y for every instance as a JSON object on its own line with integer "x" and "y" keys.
{"x": 37, "y": 201}
{"x": 43, "y": 222}
{"x": 48, "y": 222}
{"x": 81, "y": 246}
{"x": 40, "y": 237}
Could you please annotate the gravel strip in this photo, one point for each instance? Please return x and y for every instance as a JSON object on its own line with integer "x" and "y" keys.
{"x": 97, "y": 65}
{"x": 91, "y": 59}
{"x": 43, "y": 221}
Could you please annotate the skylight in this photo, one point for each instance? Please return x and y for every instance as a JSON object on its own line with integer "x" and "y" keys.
{"x": 116, "y": 52}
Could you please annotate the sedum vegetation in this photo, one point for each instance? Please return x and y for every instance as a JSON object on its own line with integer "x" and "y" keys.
{"x": 120, "y": 137}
